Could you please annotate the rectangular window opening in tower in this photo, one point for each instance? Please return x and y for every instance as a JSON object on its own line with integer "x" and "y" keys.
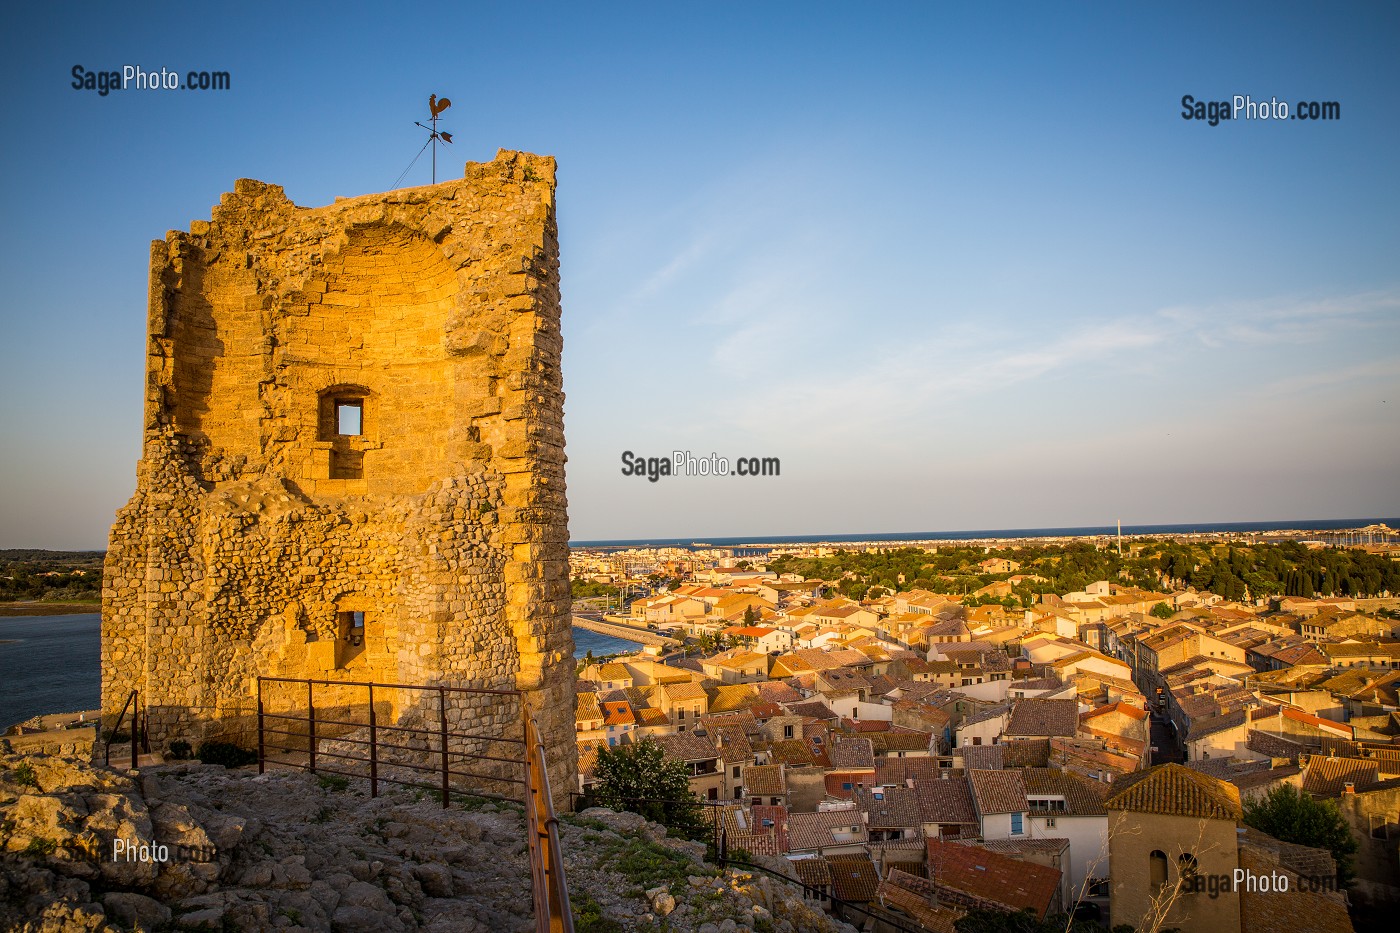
{"x": 349, "y": 418}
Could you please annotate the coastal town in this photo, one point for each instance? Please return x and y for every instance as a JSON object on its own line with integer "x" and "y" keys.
{"x": 961, "y": 736}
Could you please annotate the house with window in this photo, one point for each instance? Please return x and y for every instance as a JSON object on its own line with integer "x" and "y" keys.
{"x": 618, "y": 721}
{"x": 609, "y": 676}
{"x": 999, "y": 798}
{"x": 984, "y": 727}
{"x": 588, "y": 717}
{"x": 765, "y": 785}
{"x": 760, "y": 638}
{"x": 737, "y": 666}
{"x": 683, "y": 704}
{"x": 852, "y": 765}
{"x": 1065, "y": 805}
{"x": 701, "y": 759}
{"x": 946, "y": 808}
{"x": 891, "y": 813}
{"x": 828, "y": 832}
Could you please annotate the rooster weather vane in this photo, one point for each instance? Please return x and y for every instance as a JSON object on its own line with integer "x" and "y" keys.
{"x": 435, "y": 135}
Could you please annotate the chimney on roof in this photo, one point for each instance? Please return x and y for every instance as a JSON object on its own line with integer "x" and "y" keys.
{"x": 1349, "y": 788}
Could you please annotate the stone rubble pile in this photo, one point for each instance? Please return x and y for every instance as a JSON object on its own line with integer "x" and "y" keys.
{"x": 190, "y": 846}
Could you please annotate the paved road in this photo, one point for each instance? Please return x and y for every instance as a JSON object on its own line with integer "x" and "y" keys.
{"x": 1164, "y": 740}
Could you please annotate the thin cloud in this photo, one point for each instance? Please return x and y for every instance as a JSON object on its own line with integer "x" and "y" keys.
{"x": 1261, "y": 322}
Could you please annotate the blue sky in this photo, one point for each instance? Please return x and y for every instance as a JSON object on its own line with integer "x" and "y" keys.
{"x": 958, "y": 268}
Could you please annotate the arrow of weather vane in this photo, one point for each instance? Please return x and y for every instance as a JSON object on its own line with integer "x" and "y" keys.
{"x": 435, "y": 135}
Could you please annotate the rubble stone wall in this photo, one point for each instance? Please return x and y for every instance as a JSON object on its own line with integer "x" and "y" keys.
{"x": 353, "y": 458}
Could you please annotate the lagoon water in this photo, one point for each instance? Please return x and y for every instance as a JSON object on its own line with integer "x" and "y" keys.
{"x": 49, "y": 664}
{"x": 586, "y": 641}
{"x": 52, "y": 664}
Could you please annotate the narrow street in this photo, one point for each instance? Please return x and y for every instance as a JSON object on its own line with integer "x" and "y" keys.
{"x": 1164, "y": 744}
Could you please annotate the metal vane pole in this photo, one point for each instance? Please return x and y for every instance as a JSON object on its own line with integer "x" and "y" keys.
{"x": 435, "y": 109}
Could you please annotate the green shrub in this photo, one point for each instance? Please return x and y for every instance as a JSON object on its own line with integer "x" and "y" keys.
{"x": 588, "y": 915}
{"x": 180, "y": 749}
{"x": 40, "y": 848}
{"x": 24, "y": 774}
{"x": 226, "y": 754}
{"x": 332, "y": 782}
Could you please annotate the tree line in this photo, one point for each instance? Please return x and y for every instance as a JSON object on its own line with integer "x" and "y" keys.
{"x": 1233, "y": 571}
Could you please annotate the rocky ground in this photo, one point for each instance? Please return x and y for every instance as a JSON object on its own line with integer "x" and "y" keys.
{"x": 291, "y": 851}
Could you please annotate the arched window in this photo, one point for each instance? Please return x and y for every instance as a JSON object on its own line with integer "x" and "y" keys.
{"x": 1156, "y": 869}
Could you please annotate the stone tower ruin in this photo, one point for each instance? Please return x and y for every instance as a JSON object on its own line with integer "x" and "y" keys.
{"x": 353, "y": 457}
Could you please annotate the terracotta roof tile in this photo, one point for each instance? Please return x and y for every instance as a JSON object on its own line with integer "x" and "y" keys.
{"x": 685, "y": 691}
{"x": 947, "y": 800}
{"x": 1297, "y": 910}
{"x": 1083, "y": 797}
{"x": 889, "y": 807}
{"x": 1328, "y": 777}
{"x": 1175, "y": 790}
{"x": 793, "y": 752}
{"x": 993, "y": 876}
{"x": 998, "y": 791}
{"x": 854, "y": 878}
{"x": 1043, "y": 717}
{"x": 852, "y": 753}
{"x": 686, "y": 746}
{"x": 982, "y": 757}
{"x": 813, "y": 872}
{"x": 764, "y": 780}
{"x": 912, "y": 895}
{"x": 586, "y": 707}
{"x": 1025, "y": 753}
{"x": 900, "y": 770}
{"x": 823, "y": 830}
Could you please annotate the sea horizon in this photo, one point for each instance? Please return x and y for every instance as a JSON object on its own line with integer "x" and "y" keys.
{"x": 1085, "y": 531}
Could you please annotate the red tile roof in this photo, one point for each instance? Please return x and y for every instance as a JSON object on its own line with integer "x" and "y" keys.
{"x": 995, "y": 877}
{"x": 1328, "y": 777}
{"x": 853, "y": 877}
{"x": 998, "y": 791}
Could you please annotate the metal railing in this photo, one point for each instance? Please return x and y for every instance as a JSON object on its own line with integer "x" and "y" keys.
{"x": 334, "y": 734}
{"x": 140, "y": 726}
{"x": 551, "y": 887}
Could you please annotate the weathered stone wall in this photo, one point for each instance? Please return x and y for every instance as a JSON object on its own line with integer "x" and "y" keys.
{"x": 262, "y": 522}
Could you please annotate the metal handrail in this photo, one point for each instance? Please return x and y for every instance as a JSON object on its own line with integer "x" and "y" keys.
{"x": 132, "y": 703}
{"x": 553, "y": 913}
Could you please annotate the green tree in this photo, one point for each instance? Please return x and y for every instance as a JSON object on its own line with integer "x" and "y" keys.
{"x": 1162, "y": 611}
{"x": 641, "y": 779}
{"x": 1288, "y": 814}
{"x": 750, "y": 615}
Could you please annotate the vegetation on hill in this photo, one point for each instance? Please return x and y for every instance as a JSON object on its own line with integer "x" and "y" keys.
{"x": 585, "y": 589}
{"x": 1232, "y": 571}
{"x": 640, "y": 779}
{"x": 54, "y": 576}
